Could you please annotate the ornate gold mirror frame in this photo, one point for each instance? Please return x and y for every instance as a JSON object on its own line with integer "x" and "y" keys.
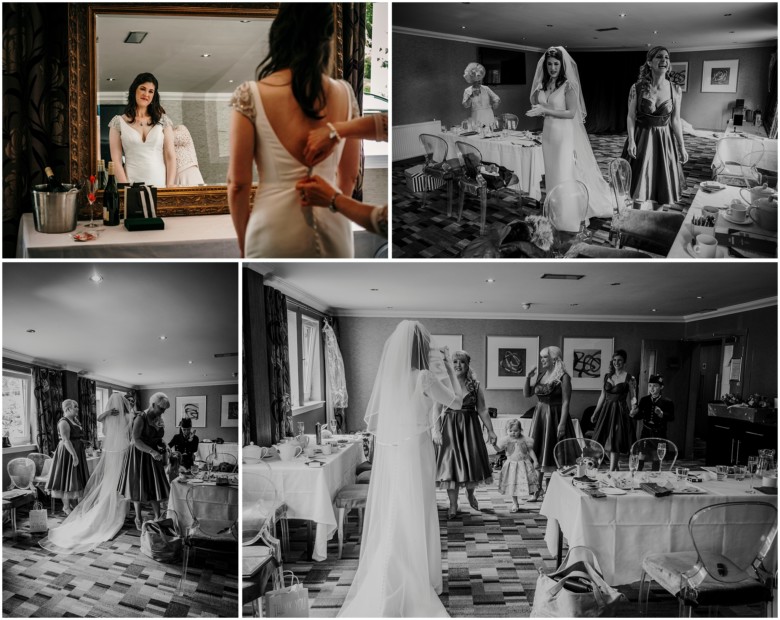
{"x": 203, "y": 200}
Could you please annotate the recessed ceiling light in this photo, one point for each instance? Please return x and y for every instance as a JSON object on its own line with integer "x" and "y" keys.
{"x": 230, "y": 81}
{"x": 490, "y": 280}
{"x": 622, "y": 15}
{"x": 189, "y": 361}
{"x": 698, "y": 297}
{"x": 205, "y": 55}
{"x": 30, "y": 331}
{"x": 110, "y": 79}
{"x": 478, "y": 302}
{"x": 245, "y": 21}
{"x": 463, "y": 27}
{"x": 727, "y": 15}
{"x": 549, "y": 25}
{"x": 653, "y": 310}
{"x": 163, "y": 337}
{"x": 205, "y": 375}
{"x": 96, "y": 278}
{"x": 655, "y": 32}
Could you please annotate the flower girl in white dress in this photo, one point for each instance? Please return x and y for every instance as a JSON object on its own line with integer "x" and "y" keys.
{"x": 518, "y": 474}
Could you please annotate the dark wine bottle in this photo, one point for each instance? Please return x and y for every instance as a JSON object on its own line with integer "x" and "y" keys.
{"x": 111, "y": 199}
{"x": 102, "y": 175}
{"x": 53, "y": 184}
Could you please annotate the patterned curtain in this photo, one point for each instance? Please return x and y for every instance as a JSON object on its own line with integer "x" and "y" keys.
{"x": 353, "y": 16}
{"x": 279, "y": 364}
{"x": 48, "y": 396}
{"x": 87, "y": 413}
{"x": 249, "y": 427}
{"x": 35, "y": 105}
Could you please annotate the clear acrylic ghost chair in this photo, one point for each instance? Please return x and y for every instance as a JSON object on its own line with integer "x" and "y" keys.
{"x": 736, "y": 160}
{"x": 734, "y": 562}
{"x": 647, "y": 449}
{"x": 510, "y": 121}
{"x": 567, "y": 452}
{"x": 263, "y": 505}
{"x": 436, "y": 169}
{"x": 566, "y": 206}
{"x": 620, "y": 180}
{"x": 222, "y": 461}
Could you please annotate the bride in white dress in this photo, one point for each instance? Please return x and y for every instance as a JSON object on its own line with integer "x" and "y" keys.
{"x": 144, "y": 133}
{"x": 270, "y": 126}
{"x": 399, "y": 573}
{"x": 101, "y": 512}
{"x": 556, "y": 94}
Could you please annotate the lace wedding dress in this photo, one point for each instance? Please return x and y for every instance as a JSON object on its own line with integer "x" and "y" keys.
{"x": 144, "y": 162}
{"x": 279, "y": 227}
{"x": 101, "y": 512}
{"x": 399, "y": 572}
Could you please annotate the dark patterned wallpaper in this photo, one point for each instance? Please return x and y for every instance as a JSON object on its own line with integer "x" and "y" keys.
{"x": 35, "y": 104}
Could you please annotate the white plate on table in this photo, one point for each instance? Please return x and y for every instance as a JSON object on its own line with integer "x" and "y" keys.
{"x": 712, "y": 186}
{"x": 720, "y": 252}
{"x": 612, "y": 491}
{"x": 746, "y": 222}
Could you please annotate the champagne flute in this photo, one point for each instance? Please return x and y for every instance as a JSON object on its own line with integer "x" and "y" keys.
{"x": 633, "y": 465}
{"x": 91, "y": 199}
{"x": 661, "y": 450}
{"x": 752, "y": 466}
{"x": 334, "y": 426}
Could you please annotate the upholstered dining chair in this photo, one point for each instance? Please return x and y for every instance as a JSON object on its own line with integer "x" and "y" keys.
{"x": 21, "y": 471}
{"x": 472, "y": 181}
{"x": 734, "y": 561}
{"x": 647, "y": 449}
{"x": 567, "y": 451}
{"x": 350, "y": 497}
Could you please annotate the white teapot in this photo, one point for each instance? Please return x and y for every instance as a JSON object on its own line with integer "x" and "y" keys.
{"x": 757, "y": 193}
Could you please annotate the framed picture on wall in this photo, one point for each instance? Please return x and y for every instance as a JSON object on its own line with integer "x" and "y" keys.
{"x": 192, "y": 407}
{"x": 719, "y": 76}
{"x": 681, "y": 68}
{"x": 587, "y": 361}
{"x": 229, "y": 410}
{"x": 509, "y": 358}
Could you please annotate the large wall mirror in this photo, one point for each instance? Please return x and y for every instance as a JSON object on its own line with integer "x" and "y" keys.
{"x": 199, "y": 55}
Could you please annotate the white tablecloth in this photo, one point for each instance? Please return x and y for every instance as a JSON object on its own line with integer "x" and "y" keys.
{"x": 204, "y": 449}
{"x": 197, "y": 236}
{"x": 526, "y": 162}
{"x": 623, "y": 529}
{"x": 309, "y": 491}
{"x": 718, "y": 199}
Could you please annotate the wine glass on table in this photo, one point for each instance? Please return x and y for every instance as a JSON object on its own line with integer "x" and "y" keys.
{"x": 633, "y": 465}
{"x": 334, "y": 427}
{"x": 752, "y": 466}
{"x": 661, "y": 451}
{"x": 91, "y": 189}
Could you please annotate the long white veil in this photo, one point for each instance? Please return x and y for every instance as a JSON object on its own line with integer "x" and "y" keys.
{"x": 101, "y": 513}
{"x": 601, "y": 201}
{"x": 399, "y": 572}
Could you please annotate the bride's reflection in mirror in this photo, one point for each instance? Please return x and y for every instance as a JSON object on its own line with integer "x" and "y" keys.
{"x": 143, "y": 134}
{"x": 192, "y": 66}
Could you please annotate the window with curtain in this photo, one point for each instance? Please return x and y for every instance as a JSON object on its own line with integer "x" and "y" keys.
{"x": 101, "y": 400}
{"x": 18, "y": 407}
{"x": 305, "y": 355}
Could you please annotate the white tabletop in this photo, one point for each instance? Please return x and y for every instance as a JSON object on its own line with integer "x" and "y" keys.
{"x": 527, "y": 162}
{"x": 623, "y": 529}
{"x": 308, "y": 491}
{"x": 718, "y": 199}
{"x": 196, "y": 236}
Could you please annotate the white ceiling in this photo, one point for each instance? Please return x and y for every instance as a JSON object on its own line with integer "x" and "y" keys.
{"x": 679, "y": 25}
{"x": 112, "y": 330}
{"x": 459, "y": 289}
{"x": 172, "y": 52}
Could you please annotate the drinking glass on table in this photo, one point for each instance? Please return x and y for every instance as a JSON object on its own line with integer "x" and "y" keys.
{"x": 661, "y": 450}
{"x": 633, "y": 465}
{"x": 300, "y": 428}
{"x": 739, "y": 472}
{"x": 752, "y": 465}
{"x": 334, "y": 427}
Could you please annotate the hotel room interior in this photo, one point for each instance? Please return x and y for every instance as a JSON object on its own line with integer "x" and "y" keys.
{"x": 86, "y": 331}
{"x": 708, "y": 329}
{"x": 434, "y": 42}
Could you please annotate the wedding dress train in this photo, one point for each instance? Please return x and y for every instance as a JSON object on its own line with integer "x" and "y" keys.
{"x": 100, "y": 514}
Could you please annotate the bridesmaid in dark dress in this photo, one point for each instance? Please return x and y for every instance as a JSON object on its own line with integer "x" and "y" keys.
{"x": 69, "y": 471}
{"x": 461, "y": 458}
{"x": 551, "y": 422}
{"x": 614, "y": 428}
{"x": 143, "y": 476}
{"x": 655, "y": 147}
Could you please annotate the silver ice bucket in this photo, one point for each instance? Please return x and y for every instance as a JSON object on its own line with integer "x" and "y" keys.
{"x": 55, "y": 212}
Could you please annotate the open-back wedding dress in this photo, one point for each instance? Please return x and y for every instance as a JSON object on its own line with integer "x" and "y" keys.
{"x": 399, "y": 572}
{"x": 101, "y": 513}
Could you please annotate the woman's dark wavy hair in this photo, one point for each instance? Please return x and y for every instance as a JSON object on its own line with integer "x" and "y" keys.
{"x": 619, "y": 353}
{"x": 156, "y": 111}
{"x": 300, "y": 40}
{"x": 645, "y": 74}
{"x": 546, "y": 77}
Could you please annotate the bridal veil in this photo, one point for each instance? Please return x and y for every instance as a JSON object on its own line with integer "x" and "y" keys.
{"x": 101, "y": 513}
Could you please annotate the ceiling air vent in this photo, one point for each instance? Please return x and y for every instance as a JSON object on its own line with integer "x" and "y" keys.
{"x": 606, "y": 29}
{"x": 135, "y": 37}
{"x": 561, "y": 276}
{"x": 226, "y": 355}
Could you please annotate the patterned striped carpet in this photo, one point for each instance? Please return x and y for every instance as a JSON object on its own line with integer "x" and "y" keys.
{"x": 113, "y": 581}
{"x": 490, "y": 561}
{"x": 427, "y": 232}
